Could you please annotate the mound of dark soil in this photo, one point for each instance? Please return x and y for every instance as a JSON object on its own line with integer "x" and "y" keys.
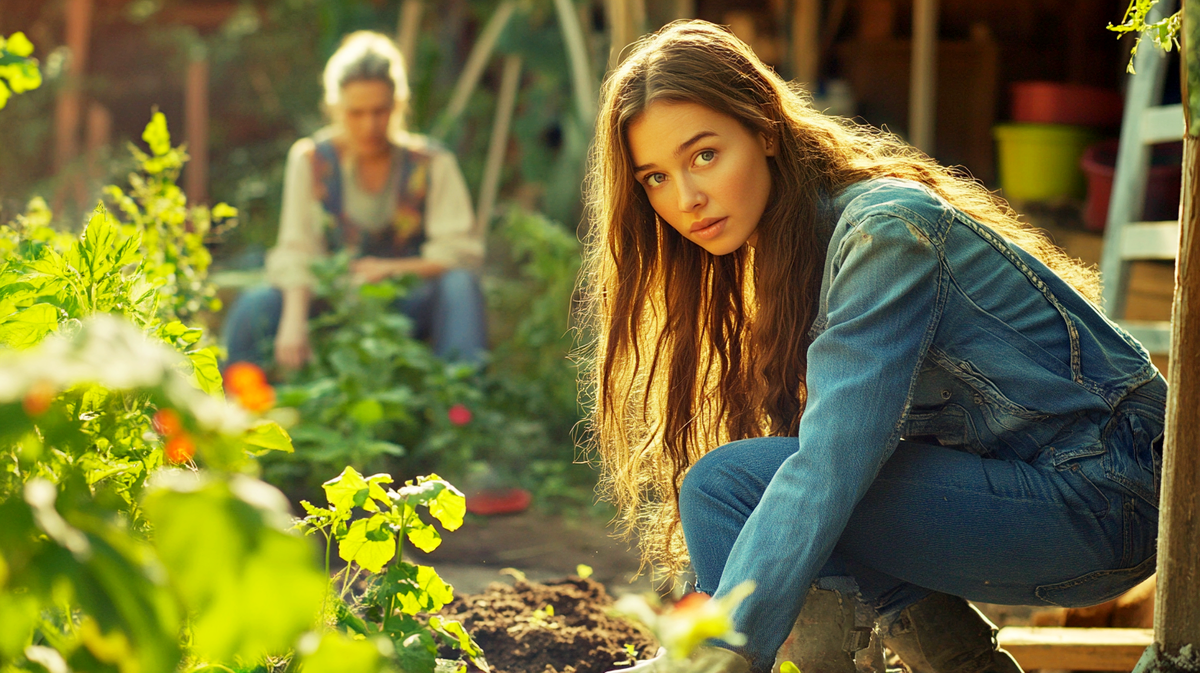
{"x": 519, "y": 635}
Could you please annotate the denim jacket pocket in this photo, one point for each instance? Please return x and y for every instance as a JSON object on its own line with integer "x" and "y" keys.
{"x": 1096, "y": 587}
{"x": 1134, "y": 457}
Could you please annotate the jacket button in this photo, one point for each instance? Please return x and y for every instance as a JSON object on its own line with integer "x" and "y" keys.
{"x": 945, "y": 394}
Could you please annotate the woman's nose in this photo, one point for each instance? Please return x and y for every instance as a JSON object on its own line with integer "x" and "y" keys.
{"x": 691, "y": 197}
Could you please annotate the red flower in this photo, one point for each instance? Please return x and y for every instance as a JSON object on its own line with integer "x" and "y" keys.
{"x": 180, "y": 448}
{"x": 167, "y": 423}
{"x": 37, "y": 400}
{"x": 459, "y": 414}
{"x": 247, "y": 383}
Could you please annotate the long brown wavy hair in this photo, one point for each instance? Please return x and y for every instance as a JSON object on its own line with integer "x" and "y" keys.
{"x": 689, "y": 350}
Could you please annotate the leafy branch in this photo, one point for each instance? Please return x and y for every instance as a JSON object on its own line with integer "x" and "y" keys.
{"x": 1164, "y": 32}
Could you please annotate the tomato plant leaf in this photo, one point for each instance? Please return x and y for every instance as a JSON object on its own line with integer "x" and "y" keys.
{"x": 206, "y": 372}
{"x": 29, "y": 326}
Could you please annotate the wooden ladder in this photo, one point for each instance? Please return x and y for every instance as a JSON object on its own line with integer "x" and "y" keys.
{"x": 1145, "y": 123}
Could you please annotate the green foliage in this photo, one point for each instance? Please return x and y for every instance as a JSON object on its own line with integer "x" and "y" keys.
{"x": 376, "y": 397}
{"x": 400, "y": 596}
{"x": 108, "y": 553}
{"x": 176, "y": 259}
{"x": 1164, "y": 32}
{"x": 18, "y": 71}
{"x": 373, "y": 391}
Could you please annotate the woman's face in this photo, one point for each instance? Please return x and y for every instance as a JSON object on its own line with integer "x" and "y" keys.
{"x": 365, "y": 112}
{"x": 705, "y": 173}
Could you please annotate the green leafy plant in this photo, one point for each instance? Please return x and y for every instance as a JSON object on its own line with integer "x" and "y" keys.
{"x": 18, "y": 71}
{"x": 1164, "y": 32}
{"x": 373, "y": 391}
{"x": 400, "y": 596}
{"x": 135, "y": 536}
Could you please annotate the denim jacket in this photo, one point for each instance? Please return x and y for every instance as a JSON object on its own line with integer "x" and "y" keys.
{"x": 932, "y": 327}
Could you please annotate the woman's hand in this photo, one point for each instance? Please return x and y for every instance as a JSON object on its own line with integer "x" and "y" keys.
{"x": 375, "y": 269}
{"x": 372, "y": 269}
{"x": 292, "y": 349}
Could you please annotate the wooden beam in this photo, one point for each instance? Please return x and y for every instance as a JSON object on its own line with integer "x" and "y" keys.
{"x": 1092, "y": 649}
{"x": 195, "y": 120}
{"x": 922, "y": 98}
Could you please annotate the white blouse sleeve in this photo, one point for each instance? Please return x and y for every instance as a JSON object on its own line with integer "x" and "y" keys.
{"x": 300, "y": 241}
{"x": 452, "y": 237}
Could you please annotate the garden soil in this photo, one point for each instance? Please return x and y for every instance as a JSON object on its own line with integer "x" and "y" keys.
{"x": 562, "y": 626}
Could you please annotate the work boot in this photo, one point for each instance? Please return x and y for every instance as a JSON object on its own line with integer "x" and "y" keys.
{"x": 828, "y": 634}
{"x": 946, "y": 634}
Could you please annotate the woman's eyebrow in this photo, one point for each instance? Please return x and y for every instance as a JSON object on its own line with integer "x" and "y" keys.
{"x": 683, "y": 147}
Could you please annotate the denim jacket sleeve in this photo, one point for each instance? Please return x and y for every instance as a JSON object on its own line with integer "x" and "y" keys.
{"x": 885, "y": 293}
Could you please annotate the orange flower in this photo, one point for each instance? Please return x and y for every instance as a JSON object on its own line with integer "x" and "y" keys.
{"x": 167, "y": 422}
{"x": 243, "y": 376}
{"x": 691, "y": 602}
{"x": 38, "y": 398}
{"x": 257, "y": 399}
{"x": 180, "y": 448}
{"x": 247, "y": 383}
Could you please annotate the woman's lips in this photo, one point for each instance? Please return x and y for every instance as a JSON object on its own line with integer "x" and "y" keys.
{"x": 706, "y": 229}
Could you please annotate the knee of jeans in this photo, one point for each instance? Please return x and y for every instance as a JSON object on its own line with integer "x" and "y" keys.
{"x": 257, "y": 300}
{"x": 709, "y": 475}
{"x": 458, "y": 283}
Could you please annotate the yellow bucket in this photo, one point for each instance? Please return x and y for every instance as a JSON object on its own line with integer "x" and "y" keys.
{"x": 1040, "y": 162}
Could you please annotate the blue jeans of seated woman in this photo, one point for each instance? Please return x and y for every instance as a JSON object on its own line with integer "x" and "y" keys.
{"x": 448, "y": 311}
{"x": 939, "y": 519}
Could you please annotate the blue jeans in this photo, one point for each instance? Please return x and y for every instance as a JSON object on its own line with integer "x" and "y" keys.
{"x": 1050, "y": 532}
{"x": 448, "y": 311}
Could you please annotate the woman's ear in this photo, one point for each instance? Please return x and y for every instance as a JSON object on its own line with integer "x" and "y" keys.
{"x": 769, "y": 144}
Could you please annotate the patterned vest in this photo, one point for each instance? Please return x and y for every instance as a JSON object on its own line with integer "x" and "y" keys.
{"x": 407, "y": 231}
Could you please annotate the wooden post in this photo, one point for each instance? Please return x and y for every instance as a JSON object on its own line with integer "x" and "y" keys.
{"x": 498, "y": 146}
{"x": 1177, "y": 603}
{"x": 626, "y": 20}
{"x": 806, "y": 42}
{"x": 195, "y": 116}
{"x": 476, "y": 62}
{"x": 68, "y": 111}
{"x": 406, "y": 32}
{"x": 922, "y": 97}
{"x": 581, "y": 77}
{"x": 99, "y": 136}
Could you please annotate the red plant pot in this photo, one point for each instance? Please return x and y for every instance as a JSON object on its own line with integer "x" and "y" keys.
{"x": 1162, "y": 188}
{"x": 1058, "y": 103}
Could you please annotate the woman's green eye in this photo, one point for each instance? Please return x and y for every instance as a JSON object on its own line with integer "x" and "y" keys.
{"x": 707, "y": 156}
{"x": 654, "y": 179}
